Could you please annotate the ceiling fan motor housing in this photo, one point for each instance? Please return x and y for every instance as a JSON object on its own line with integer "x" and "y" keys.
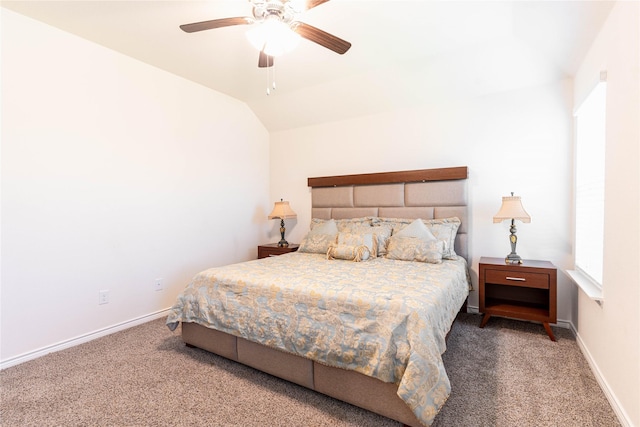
{"x": 281, "y": 10}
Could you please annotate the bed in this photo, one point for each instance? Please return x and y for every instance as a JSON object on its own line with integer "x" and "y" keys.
{"x": 369, "y": 333}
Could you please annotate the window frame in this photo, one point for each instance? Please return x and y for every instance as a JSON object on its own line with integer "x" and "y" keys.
{"x": 584, "y": 268}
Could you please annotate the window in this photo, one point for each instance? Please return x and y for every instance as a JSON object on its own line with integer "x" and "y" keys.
{"x": 589, "y": 187}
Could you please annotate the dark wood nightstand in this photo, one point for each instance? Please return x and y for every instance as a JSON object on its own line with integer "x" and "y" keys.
{"x": 272, "y": 249}
{"x": 525, "y": 291}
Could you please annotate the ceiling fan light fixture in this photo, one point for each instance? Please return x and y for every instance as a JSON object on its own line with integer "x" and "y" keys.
{"x": 273, "y": 37}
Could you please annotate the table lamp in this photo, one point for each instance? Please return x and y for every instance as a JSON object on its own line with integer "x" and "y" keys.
{"x": 512, "y": 209}
{"x": 282, "y": 211}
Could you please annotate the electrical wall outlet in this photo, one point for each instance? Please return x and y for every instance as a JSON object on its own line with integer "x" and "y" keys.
{"x": 157, "y": 285}
{"x": 103, "y": 297}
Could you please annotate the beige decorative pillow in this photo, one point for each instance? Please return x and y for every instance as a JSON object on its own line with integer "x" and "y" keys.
{"x": 344, "y": 225}
{"x": 396, "y": 224}
{"x": 445, "y": 229}
{"x": 347, "y": 225}
{"x": 326, "y": 227}
{"x": 381, "y": 232}
{"x": 406, "y": 248}
{"x": 353, "y": 239}
{"x": 317, "y": 240}
{"x": 348, "y": 252}
{"x": 316, "y": 243}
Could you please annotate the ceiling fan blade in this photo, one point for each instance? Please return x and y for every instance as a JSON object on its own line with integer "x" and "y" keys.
{"x": 313, "y": 3}
{"x": 216, "y": 23}
{"x": 323, "y": 38}
{"x": 265, "y": 60}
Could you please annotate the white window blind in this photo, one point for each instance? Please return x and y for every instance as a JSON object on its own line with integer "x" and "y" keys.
{"x": 589, "y": 184}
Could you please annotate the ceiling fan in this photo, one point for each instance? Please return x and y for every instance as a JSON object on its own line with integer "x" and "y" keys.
{"x": 277, "y": 13}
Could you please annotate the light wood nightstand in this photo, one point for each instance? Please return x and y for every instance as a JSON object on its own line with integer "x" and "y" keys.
{"x": 525, "y": 291}
{"x": 272, "y": 249}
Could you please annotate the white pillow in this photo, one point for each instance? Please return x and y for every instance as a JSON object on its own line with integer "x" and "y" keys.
{"x": 417, "y": 229}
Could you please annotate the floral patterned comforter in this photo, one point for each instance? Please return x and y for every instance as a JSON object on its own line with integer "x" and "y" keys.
{"x": 384, "y": 318}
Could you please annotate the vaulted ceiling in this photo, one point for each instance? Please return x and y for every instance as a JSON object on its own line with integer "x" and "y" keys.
{"x": 403, "y": 53}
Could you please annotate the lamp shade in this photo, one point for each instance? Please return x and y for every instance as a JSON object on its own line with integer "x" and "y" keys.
{"x": 511, "y": 209}
{"x": 282, "y": 210}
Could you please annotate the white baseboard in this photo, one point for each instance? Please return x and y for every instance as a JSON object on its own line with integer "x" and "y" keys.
{"x": 623, "y": 417}
{"x": 16, "y": 360}
{"x": 565, "y": 324}
{"x": 472, "y": 309}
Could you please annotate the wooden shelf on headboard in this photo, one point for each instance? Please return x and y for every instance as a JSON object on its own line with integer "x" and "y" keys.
{"x": 442, "y": 174}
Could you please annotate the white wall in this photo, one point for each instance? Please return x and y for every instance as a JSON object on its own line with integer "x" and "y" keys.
{"x": 516, "y": 141}
{"x": 114, "y": 173}
{"x": 610, "y": 334}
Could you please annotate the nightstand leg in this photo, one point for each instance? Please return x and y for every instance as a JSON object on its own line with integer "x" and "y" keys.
{"x": 549, "y": 331}
{"x": 485, "y": 319}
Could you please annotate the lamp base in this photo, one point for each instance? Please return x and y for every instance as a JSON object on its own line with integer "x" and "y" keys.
{"x": 282, "y": 243}
{"x": 513, "y": 258}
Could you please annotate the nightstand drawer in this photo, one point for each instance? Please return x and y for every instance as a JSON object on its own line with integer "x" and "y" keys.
{"x": 264, "y": 253}
{"x": 520, "y": 278}
{"x": 269, "y": 250}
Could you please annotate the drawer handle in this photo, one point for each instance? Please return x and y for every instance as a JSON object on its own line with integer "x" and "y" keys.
{"x": 517, "y": 279}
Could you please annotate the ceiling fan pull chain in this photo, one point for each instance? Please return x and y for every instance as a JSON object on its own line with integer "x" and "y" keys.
{"x": 268, "y": 90}
{"x": 271, "y": 77}
{"x": 274, "y": 76}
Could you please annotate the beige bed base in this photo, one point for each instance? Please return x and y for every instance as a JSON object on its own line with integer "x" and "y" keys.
{"x": 428, "y": 194}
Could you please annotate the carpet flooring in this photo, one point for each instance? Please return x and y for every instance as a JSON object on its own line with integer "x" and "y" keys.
{"x": 507, "y": 374}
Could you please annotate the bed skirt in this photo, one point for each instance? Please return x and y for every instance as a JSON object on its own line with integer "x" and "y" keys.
{"x": 348, "y": 386}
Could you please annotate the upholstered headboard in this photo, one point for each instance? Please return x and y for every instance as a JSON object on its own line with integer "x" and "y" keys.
{"x": 426, "y": 194}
